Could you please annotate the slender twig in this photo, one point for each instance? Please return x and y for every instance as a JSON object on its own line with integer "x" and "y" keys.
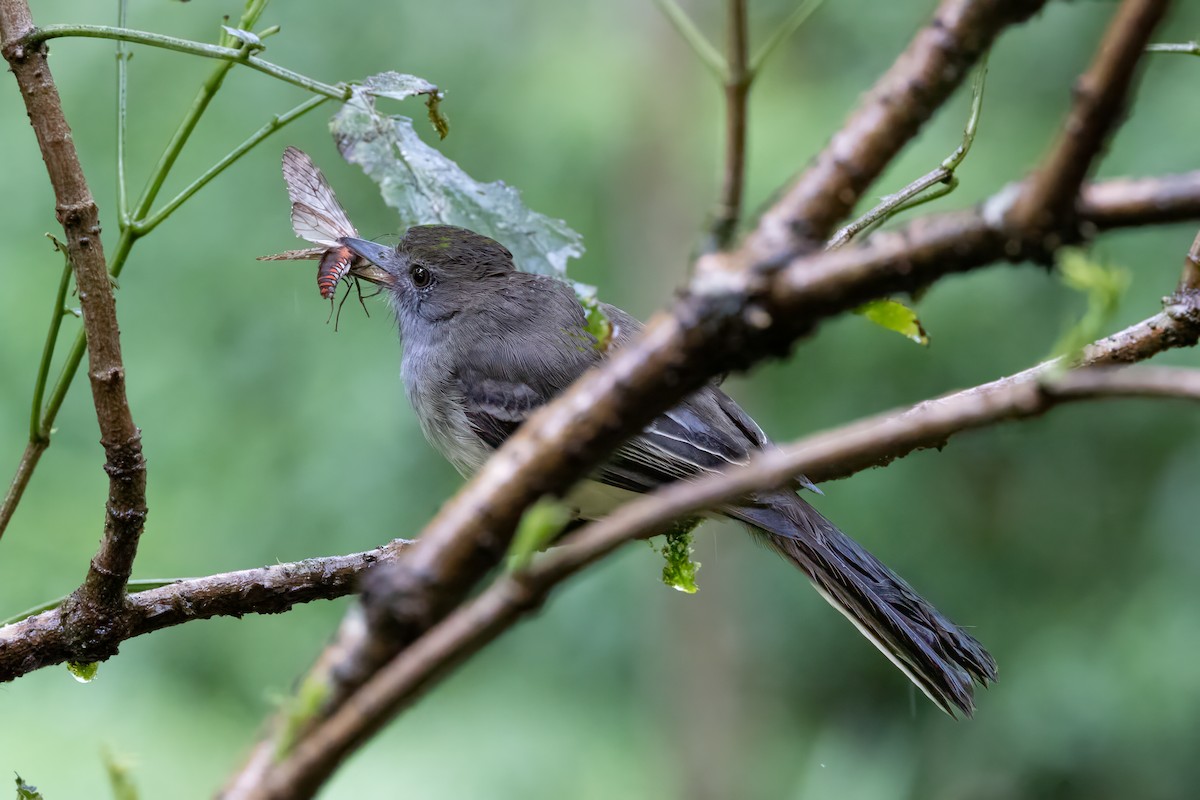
{"x": 737, "y": 78}
{"x": 1183, "y": 48}
{"x": 238, "y": 55}
{"x": 737, "y": 91}
{"x": 943, "y": 174}
{"x": 150, "y": 223}
{"x": 1100, "y": 95}
{"x": 122, "y": 104}
{"x": 781, "y": 34}
{"x": 512, "y": 596}
{"x": 16, "y": 487}
{"x": 40, "y": 640}
{"x": 700, "y": 45}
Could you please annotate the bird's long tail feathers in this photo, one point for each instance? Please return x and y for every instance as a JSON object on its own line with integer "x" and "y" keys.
{"x": 938, "y": 656}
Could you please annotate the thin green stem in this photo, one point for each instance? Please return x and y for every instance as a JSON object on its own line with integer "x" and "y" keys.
{"x": 947, "y": 185}
{"x": 952, "y": 161}
{"x": 238, "y": 55}
{"x": 701, "y": 46}
{"x": 79, "y": 346}
{"x": 70, "y": 367}
{"x": 1184, "y": 48}
{"x": 208, "y": 90}
{"x": 782, "y": 34}
{"x": 943, "y": 174}
{"x": 737, "y": 93}
{"x": 145, "y": 226}
{"x": 122, "y": 98}
{"x": 186, "y": 127}
{"x": 36, "y": 433}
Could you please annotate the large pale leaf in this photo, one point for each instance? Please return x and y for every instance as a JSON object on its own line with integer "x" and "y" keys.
{"x": 425, "y": 187}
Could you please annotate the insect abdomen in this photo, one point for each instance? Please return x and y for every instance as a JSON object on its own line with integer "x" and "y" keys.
{"x": 334, "y": 266}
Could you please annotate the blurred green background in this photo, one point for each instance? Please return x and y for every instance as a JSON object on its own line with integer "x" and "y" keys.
{"x": 1068, "y": 543}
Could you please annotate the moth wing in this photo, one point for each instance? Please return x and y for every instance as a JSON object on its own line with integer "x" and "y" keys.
{"x": 307, "y": 186}
{"x": 315, "y": 226}
{"x": 309, "y": 254}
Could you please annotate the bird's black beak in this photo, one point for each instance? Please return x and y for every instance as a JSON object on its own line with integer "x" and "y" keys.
{"x": 377, "y": 259}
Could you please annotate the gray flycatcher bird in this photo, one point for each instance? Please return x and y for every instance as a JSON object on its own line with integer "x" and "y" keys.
{"x": 485, "y": 345}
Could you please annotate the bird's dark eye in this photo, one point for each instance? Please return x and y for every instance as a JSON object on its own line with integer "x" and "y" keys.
{"x": 420, "y": 277}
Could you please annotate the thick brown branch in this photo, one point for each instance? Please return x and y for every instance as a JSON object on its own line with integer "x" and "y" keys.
{"x": 41, "y": 640}
{"x": 89, "y": 616}
{"x": 511, "y": 597}
{"x": 714, "y": 328}
{"x": 1129, "y": 202}
{"x": 1100, "y": 96}
{"x": 890, "y": 115}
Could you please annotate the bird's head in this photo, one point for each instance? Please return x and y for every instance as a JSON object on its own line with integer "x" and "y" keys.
{"x": 435, "y": 272}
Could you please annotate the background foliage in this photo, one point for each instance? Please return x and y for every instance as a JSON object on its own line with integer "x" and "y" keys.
{"x": 1069, "y": 543}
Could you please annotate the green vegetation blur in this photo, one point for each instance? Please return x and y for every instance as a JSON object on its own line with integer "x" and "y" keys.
{"x": 1068, "y": 544}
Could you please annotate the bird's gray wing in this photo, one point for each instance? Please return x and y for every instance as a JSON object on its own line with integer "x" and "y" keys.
{"x": 694, "y": 437}
{"x": 495, "y": 407}
{"x": 706, "y": 432}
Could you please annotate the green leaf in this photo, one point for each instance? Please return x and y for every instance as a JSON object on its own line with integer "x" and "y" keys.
{"x": 679, "y": 570}
{"x": 539, "y": 525}
{"x": 396, "y": 85}
{"x": 1104, "y": 285}
{"x": 400, "y": 86}
{"x": 895, "y": 316}
{"x": 83, "y": 671}
{"x": 426, "y": 187}
{"x": 299, "y": 709}
{"x": 598, "y": 323}
{"x": 27, "y": 792}
{"x": 119, "y": 776}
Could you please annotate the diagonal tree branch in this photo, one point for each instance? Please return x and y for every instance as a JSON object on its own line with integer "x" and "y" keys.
{"x": 469, "y": 534}
{"x": 728, "y": 319}
{"x": 511, "y": 597}
{"x": 724, "y": 322}
{"x": 101, "y": 596}
{"x": 1100, "y": 97}
{"x": 756, "y": 302}
{"x": 41, "y": 641}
